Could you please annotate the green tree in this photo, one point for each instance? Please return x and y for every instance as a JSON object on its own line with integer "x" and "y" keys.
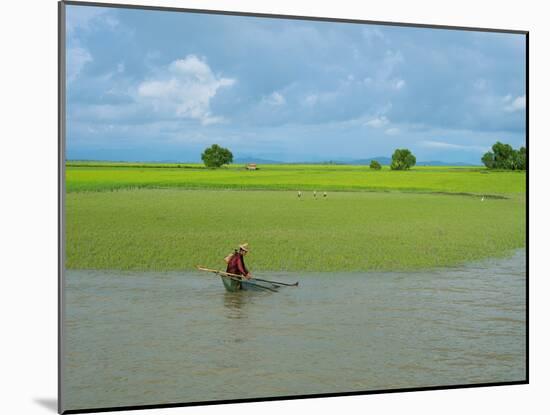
{"x": 216, "y": 156}
{"x": 505, "y": 157}
{"x": 402, "y": 159}
{"x": 522, "y": 158}
{"x": 489, "y": 160}
{"x": 375, "y": 165}
{"x": 513, "y": 161}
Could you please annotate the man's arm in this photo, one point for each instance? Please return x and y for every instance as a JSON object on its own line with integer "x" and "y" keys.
{"x": 242, "y": 268}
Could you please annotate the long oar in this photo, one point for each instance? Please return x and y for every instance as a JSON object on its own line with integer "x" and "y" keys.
{"x": 235, "y": 277}
{"x": 217, "y": 271}
{"x": 276, "y": 282}
{"x": 240, "y": 276}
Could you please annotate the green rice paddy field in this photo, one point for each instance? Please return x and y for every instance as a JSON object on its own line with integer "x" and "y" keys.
{"x": 87, "y": 176}
{"x": 173, "y": 217}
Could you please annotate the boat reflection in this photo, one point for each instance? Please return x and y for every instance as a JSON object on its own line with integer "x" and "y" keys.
{"x": 235, "y": 304}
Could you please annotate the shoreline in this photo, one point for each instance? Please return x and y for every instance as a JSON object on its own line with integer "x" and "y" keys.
{"x": 506, "y": 256}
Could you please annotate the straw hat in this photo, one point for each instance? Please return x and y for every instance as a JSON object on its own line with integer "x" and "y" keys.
{"x": 244, "y": 247}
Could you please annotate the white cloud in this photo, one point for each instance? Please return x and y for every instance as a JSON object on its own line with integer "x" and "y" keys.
{"x": 450, "y": 146}
{"x": 367, "y": 80}
{"x": 440, "y": 144}
{"x": 86, "y": 18}
{"x": 276, "y": 99}
{"x": 397, "y": 84}
{"x": 320, "y": 98}
{"x": 373, "y": 35}
{"x": 391, "y": 60}
{"x": 378, "y": 122}
{"x": 104, "y": 112}
{"x": 516, "y": 104}
{"x": 77, "y": 58}
{"x": 385, "y": 74}
{"x": 311, "y": 99}
{"x": 392, "y": 131}
{"x": 185, "y": 89}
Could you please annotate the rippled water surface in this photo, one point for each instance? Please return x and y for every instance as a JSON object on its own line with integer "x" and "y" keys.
{"x": 151, "y": 338}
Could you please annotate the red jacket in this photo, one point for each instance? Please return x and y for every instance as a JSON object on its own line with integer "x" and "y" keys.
{"x": 236, "y": 265}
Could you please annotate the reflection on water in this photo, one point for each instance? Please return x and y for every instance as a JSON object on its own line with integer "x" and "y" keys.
{"x": 234, "y": 304}
{"x": 149, "y": 338}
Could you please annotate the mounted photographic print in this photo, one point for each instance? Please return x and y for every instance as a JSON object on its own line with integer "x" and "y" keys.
{"x": 258, "y": 207}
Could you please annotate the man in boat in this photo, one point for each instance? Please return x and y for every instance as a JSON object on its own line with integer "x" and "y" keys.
{"x": 236, "y": 265}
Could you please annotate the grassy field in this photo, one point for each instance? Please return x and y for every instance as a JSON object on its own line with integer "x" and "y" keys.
{"x": 88, "y": 176}
{"x": 178, "y": 229}
{"x": 121, "y": 216}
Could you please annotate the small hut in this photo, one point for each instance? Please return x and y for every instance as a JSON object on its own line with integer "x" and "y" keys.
{"x": 251, "y": 166}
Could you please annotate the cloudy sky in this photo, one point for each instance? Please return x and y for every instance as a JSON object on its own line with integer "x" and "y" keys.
{"x": 152, "y": 85}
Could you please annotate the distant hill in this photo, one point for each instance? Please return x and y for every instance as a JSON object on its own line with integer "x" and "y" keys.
{"x": 246, "y": 160}
{"x": 387, "y": 161}
{"x": 382, "y": 160}
{"x": 444, "y": 163}
{"x": 249, "y": 159}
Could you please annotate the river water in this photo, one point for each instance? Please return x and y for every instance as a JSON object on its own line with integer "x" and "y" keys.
{"x": 152, "y": 338}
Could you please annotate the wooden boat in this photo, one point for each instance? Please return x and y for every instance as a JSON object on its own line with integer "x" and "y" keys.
{"x": 234, "y": 282}
{"x": 234, "y": 285}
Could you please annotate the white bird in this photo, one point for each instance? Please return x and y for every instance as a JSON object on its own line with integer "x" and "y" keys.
{"x": 315, "y": 193}
{"x": 299, "y": 194}
{"x": 324, "y": 194}
{"x": 482, "y": 198}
